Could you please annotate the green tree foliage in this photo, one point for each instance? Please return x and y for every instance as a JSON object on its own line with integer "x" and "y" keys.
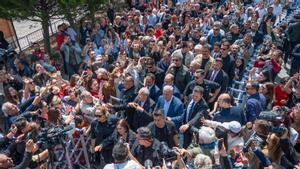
{"x": 93, "y": 6}
{"x": 72, "y": 10}
{"x": 44, "y": 10}
{"x": 35, "y": 10}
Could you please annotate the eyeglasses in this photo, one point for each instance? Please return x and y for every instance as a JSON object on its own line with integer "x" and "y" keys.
{"x": 139, "y": 138}
{"x": 248, "y": 88}
{"x": 98, "y": 115}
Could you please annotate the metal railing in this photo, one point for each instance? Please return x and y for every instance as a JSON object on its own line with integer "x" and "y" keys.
{"x": 73, "y": 152}
{"x": 36, "y": 36}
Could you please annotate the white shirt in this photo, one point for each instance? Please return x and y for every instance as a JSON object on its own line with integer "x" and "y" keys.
{"x": 235, "y": 141}
{"x": 1, "y": 89}
{"x": 261, "y": 12}
{"x": 142, "y": 104}
{"x": 277, "y": 9}
{"x": 125, "y": 165}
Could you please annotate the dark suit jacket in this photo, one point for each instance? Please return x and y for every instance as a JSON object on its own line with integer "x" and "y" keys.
{"x": 128, "y": 95}
{"x": 199, "y": 110}
{"x": 137, "y": 119}
{"x": 175, "y": 110}
{"x": 258, "y": 38}
{"x": 141, "y": 119}
{"x": 176, "y": 92}
{"x": 221, "y": 78}
{"x": 155, "y": 92}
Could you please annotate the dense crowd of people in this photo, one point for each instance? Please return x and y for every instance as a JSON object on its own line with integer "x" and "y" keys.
{"x": 167, "y": 84}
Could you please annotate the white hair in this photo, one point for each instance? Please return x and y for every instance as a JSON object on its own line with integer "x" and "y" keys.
{"x": 168, "y": 87}
{"x": 202, "y": 162}
{"x": 177, "y": 54}
{"x": 101, "y": 70}
{"x": 145, "y": 90}
{"x": 5, "y": 108}
{"x": 203, "y": 38}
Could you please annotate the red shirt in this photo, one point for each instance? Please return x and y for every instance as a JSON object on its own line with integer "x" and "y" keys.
{"x": 59, "y": 40}
{"x": 279, "y": 95}
{"x": 94, "y": 94}
{"x": 275, "y": 65}
{"x": 158, "y": 33}
{"x": 40, "y": 54}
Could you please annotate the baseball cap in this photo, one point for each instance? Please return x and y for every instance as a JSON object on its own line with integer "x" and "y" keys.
{"x": 232, "y": 126}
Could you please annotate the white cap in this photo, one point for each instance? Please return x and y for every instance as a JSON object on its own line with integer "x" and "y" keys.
{"x": 232, "y": 126}
{"x": 197, "y": 47}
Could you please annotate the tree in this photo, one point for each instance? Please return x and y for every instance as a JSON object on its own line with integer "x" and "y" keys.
{"x": 73, "y": 10}
{"x": 44, "y": 10}
{"x": 35, "y": 10}
{"x": 93, "y": 6}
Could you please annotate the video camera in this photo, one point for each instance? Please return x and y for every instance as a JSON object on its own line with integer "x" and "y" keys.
{"x": 48, "y": 137}
{"x": 276, "y": 119}
{"x": 258, "y": 139}
{"x": 166, "y": 153}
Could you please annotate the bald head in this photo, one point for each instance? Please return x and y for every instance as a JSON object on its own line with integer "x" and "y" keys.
{"x": 224, "y": 100}
{"x": 169, "y": 79}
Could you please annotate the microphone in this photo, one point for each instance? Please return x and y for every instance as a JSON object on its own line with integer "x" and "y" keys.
{"x": 148, "y": 164}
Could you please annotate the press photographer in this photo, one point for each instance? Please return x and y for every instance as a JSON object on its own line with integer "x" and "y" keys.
{"x": 6, "y": 160}
{"x": 269, "y": 144}
{"x": 123, "y": 158}
{"x": 279, "y": 121}
{"x": 17, "y": 149}
{"x": 146, "y": 147}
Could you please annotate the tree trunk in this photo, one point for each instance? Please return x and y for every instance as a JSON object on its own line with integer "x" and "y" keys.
{"x": 72, "y": 21}
{"x": 91, "y": 8}
{"x": 45, "y": 26}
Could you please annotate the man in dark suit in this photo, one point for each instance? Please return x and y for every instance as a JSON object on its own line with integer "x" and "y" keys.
{"x": 258, "y": 37}
{"x": 211, "y": 89}
{"x": 172, "y": 106}
{"x": 158, "y": 72}
{"x": 128, "y": 93}
{"x": 228, "y": 112}
{"x": 139, "y": 112}
{"x": 228, "y": 61}
{"x": 169, "y": 80}
{"x": 218, "y": 75}
{"x": 149, "y": 82}
{"x": 196, "y": 109}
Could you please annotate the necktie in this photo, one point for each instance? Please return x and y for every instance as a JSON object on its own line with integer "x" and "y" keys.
{"x": 212, "y": 77}
{"x": 190, "y": 110}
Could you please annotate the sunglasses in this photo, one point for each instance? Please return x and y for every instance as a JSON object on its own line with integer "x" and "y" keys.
{"x": 97, "y": 115}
